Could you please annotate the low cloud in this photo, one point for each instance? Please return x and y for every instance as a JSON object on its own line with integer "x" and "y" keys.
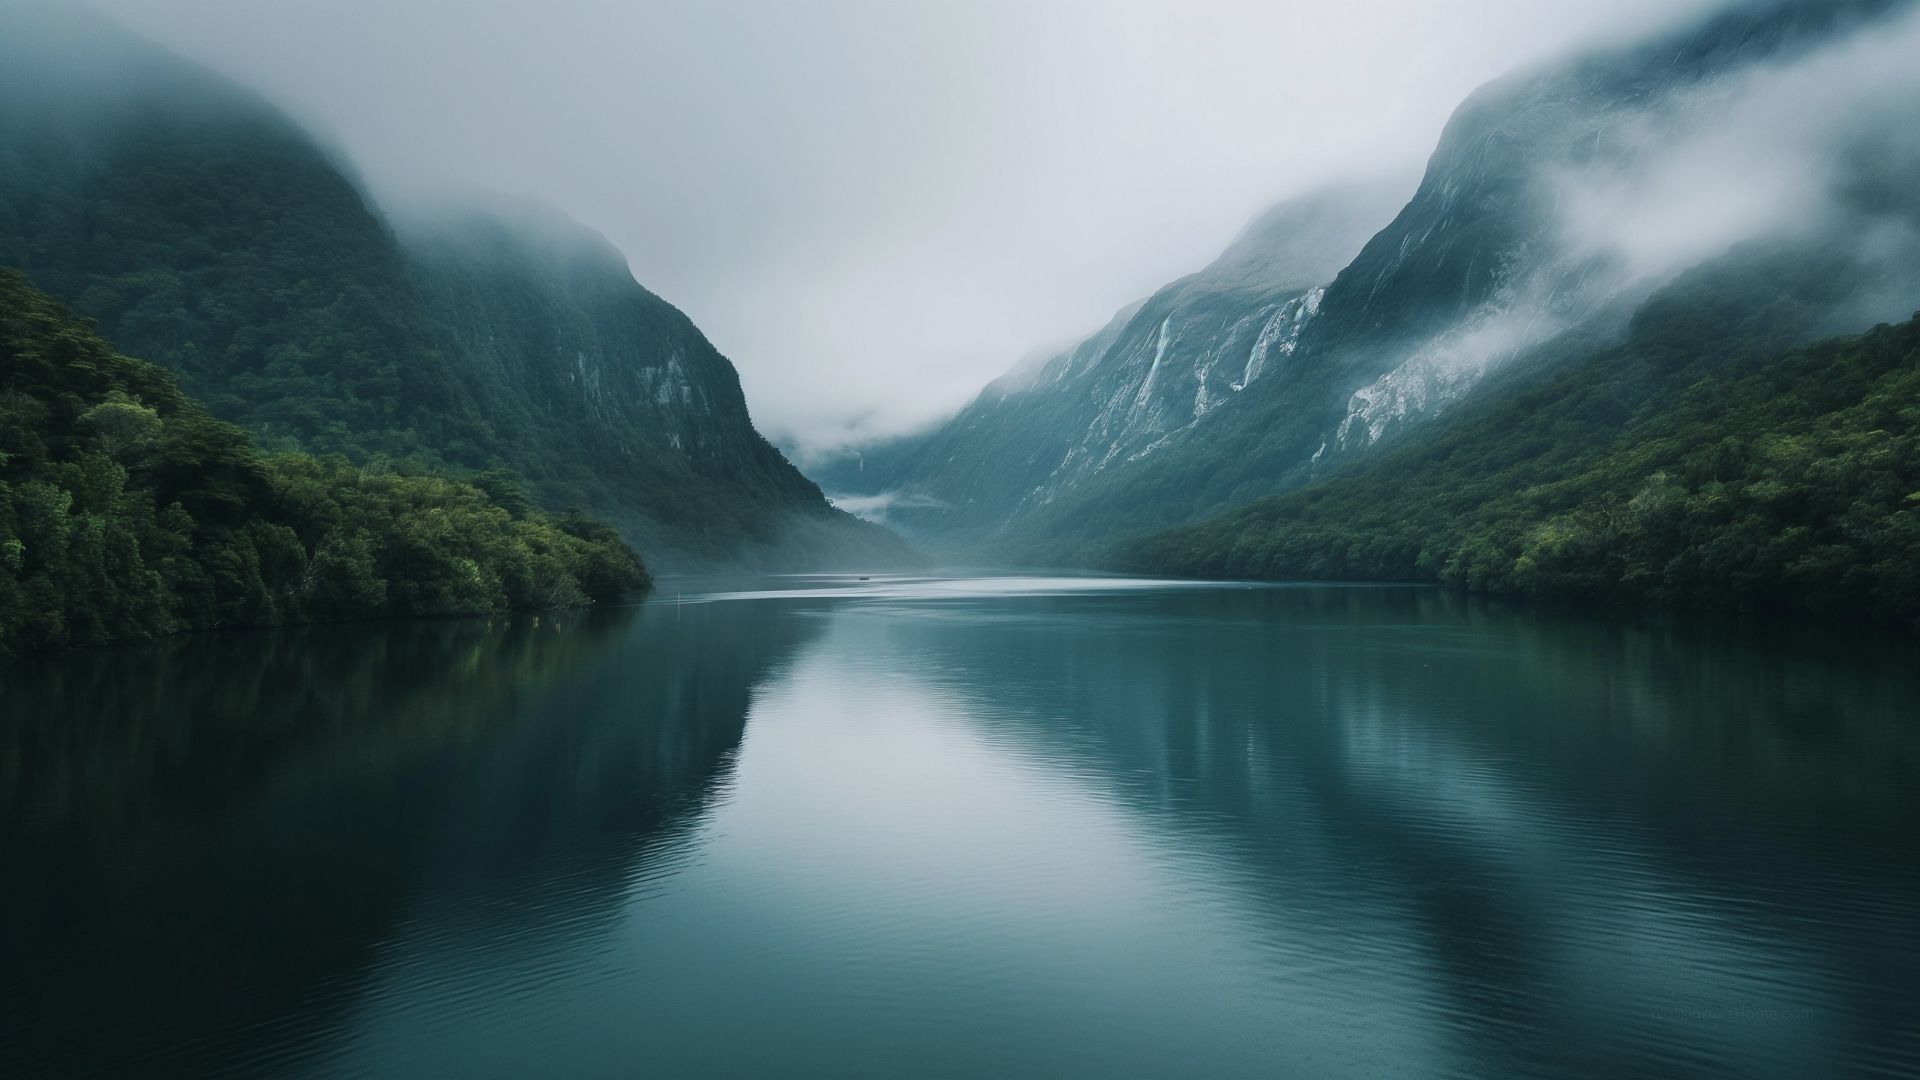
{"x": 878, "y": 507}
{"x": 1817, "y": 145}
{"x": 1772, "y": 151}
{"x": 872, "y": 207}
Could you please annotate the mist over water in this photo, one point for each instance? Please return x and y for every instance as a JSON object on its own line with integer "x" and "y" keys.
{"x": 1018, "y": 827}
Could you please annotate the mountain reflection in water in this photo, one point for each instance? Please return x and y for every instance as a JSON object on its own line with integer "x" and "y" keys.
{"x": 960, "y": 827}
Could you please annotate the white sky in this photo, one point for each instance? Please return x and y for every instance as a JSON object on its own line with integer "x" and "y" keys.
{"x": 874, "y": 207}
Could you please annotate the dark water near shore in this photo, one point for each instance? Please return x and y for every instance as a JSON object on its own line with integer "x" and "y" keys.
{"x": 982, "y": 828}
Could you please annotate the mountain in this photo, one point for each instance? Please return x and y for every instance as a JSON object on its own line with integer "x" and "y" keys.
{"x": 204, "y": 230}
{"x": 1487, "y": 260}
{"x": 1557, "y": 202}
{"x": 1150, "y": 376}
{"x": 620, "y": 403}
{"x": 1693, "y": 465}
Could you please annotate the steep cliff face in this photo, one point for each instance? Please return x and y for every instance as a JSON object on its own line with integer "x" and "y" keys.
{"x": 541, "y": 303}
{"x": 1148, "y": 379}
{"x": 1557, "y": 201}
{"x": 620, "y": 402}
{"x": 204, "y": 230}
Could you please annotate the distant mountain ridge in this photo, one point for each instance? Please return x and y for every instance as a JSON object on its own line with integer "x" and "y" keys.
{"x": 1157, "y": 369}
{"x": 206, "y": 231}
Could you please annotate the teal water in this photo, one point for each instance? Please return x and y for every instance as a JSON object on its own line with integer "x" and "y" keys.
{"x": 1015, "y": 827}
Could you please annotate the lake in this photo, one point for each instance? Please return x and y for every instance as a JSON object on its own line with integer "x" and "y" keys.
{"x": 972, "y": 827}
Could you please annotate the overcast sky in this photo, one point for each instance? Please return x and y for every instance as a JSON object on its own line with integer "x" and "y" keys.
{"x": 875, "y": 207}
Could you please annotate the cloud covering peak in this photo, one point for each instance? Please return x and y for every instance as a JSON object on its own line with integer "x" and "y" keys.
{"x": 873, "y": 207}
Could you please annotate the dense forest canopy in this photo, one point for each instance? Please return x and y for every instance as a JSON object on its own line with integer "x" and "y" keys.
{"x": 128, "y": 512}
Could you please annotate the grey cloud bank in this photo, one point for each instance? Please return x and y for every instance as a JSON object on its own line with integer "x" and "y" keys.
{"x": 874, "y": 208}
{"x": 1775, "y": 151}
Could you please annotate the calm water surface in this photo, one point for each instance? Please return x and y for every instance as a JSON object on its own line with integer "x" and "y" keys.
{"x": 1043, "y": 828}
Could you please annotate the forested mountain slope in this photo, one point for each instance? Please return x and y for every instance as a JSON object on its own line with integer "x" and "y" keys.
{"x": 204, "y": 230}
{"x": 619, "y": 403}
{"x": 1698, "y": 464}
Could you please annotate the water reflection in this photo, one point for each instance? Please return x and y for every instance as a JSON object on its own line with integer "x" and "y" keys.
{"x": 1570, "y": 846}
{"x": 209, "y": 844}
{"x": 1043, "y": 827}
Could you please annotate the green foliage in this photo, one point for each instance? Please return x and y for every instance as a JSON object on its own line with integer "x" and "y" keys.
{"x": 127, "y": 512}
{"x": 220, "y": 243}
{"x": 1692, "y": 466}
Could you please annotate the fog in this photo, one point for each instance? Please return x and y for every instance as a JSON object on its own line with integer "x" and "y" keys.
{"x": 1778, "y": 150}
{"x": 875, "y": 207}
{"x": 1812, "y": 147}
